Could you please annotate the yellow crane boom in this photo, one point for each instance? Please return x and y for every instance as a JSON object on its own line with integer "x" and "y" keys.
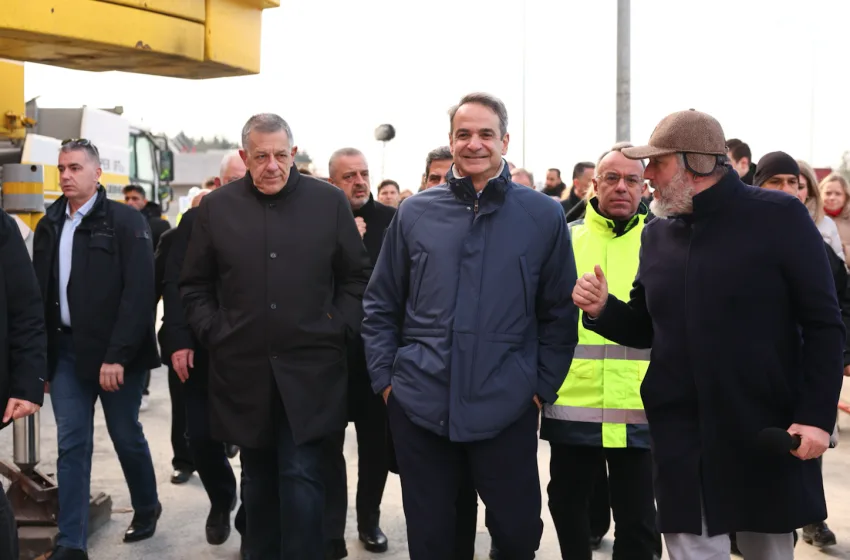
{"x": 194, "y": 39}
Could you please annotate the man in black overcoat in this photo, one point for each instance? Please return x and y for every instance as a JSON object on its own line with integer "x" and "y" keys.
{"x": 272, "y": 285}
{"x": 735, "y": 296}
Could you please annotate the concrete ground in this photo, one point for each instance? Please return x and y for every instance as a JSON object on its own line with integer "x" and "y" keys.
{"x": 181, "y": 529}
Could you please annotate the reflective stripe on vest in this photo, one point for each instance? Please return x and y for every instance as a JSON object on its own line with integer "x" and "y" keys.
{"x": 597, "y": 415}
{"x": 609, "y": 352}
{"x": 599, "y": 402}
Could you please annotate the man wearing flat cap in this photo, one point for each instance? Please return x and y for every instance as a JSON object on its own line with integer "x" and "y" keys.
{"x": 735, "y": 296}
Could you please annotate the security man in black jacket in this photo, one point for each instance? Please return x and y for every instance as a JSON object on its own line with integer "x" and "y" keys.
{"x": 93, "y": 258}
{"x": 349, "y": 171}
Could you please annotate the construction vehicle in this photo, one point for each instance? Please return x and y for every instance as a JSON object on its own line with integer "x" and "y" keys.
{"x": 195, "y": 39}
{"x": 129, "y": 154}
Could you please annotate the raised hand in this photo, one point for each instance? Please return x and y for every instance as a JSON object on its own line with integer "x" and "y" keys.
{"x": 591, "y": 292}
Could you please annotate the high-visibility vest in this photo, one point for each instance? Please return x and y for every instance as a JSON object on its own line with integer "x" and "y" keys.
{"x": 599, "y": 403}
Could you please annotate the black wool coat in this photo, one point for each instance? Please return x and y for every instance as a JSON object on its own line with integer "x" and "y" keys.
{"x": 738, "y": 303}
{"x": 377, "y": 217}
{"x": 272, "y": 286}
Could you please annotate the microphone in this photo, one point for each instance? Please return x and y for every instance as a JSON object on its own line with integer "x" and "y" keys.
{"x": 776, "y": 441}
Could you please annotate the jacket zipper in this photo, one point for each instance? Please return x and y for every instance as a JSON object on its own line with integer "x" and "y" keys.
{"x": 475, "y": 206}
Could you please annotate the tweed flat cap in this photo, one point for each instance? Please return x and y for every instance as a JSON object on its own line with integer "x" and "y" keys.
{"x": 697, "y": 135}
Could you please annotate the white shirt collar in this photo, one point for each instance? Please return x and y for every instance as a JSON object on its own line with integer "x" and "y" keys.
{"x": 498, "y": 173}
{"x": 82, "y": 210}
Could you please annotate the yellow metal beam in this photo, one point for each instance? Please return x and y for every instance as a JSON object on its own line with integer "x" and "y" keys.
{"x": 261, "y": 4}
{"x": 193, "y": 10}
{"x": 179, "y": 38}
{"x": 228, "y": 24}
{"x": 109, "y": 28}
{"x": 12, "y": 105}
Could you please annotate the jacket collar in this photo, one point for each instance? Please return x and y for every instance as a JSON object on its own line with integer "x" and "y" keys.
{"x": 287, "y": 190}
{"x": 594, "y": 218}
{"x": 495, "y": 188}
{"x": 717, "y": 196}
{"x": 56, "y": 212}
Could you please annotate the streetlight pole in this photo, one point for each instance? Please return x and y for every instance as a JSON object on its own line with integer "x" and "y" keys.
{"x": 524, "y": 115}
{"x": 624, "y": 116}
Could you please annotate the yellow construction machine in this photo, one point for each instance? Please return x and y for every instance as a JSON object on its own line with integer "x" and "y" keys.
{"x": 193, "y": 39}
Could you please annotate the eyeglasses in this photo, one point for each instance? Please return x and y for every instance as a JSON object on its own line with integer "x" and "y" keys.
{"x": 612, "y": 179}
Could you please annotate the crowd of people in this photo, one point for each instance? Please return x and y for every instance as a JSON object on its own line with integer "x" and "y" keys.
{"x": 676, "y": 335}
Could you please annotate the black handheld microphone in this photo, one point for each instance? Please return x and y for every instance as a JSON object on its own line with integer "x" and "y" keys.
{"x": 776, "y": 441}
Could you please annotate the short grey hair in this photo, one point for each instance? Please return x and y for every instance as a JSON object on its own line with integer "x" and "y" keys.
{"x": 343, "y": 152}
{"x": 491, "y": 102}
{"x": 265, "y": 122}
{"x": 228, "y": 157}
{"x": 82, "y": 145}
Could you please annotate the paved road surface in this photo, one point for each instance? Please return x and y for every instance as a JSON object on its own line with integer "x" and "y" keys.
{"x": 181, "y": 528}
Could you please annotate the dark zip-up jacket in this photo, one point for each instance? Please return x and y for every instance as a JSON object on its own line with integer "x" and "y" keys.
{"x": 110, "y": 290}
{"x": 469, "y": 312}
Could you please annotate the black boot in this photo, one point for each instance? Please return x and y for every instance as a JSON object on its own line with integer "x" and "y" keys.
{"x": 370, "y": 534}
{"x": 181, "y": 476}
{"x": 218, "y": 525}
{"x": 63, "y": 553}
{"x": 818, "y": 535}
{"x": 143, "y": 525}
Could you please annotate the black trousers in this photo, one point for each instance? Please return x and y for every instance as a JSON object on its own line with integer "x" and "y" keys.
{"x": 182, "y": 455}
{"x": 372, "y": 470}
{"x": 573, "y": 471}
{"x": 208, "y": 454}
{"x": 467, "y": 513}
{"x": 466, "y": 522}
{"x": 504, "y": 473}
{"x": 600, "y": 503}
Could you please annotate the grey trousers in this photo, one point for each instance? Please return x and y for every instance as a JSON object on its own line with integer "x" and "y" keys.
{"x": 753, "y": 546}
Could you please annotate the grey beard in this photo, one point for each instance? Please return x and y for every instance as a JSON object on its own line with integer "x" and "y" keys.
{"x": 677, "y": 198}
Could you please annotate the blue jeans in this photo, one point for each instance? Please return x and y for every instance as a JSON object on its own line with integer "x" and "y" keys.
{"x": 284, "y": 497}
{"x": 73, "y": 405}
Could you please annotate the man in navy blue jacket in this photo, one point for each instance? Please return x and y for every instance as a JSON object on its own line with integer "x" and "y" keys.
{"x": 469, "y": 326}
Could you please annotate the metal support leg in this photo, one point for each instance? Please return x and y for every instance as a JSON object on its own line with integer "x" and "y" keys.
{"x": 34, "y": 495}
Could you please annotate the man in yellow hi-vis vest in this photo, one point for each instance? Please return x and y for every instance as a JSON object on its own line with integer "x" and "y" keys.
{"x": 599, "y": 415}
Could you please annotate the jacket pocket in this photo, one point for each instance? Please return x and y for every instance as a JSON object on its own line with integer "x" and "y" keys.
{"x": 419, "y": 274}
{"x": 103, "y": 241}
{"x": 338, "y": 324}
{"x": 526, "y": 284}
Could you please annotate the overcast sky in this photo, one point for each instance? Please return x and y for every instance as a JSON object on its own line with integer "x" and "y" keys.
{"x": 773, "y": 72}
